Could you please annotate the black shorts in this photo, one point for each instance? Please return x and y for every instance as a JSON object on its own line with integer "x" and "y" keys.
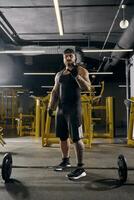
{"x": 69, "y": 123}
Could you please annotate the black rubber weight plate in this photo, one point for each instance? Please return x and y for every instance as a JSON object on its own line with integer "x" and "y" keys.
{"x": 6, "y": 169}
{"x": 122, "y": 168}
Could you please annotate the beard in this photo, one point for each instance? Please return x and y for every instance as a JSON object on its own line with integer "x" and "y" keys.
{"x": 70, "y": 64}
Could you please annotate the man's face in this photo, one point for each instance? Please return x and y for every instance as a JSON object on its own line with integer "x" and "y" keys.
{"x": 69, "y": 58}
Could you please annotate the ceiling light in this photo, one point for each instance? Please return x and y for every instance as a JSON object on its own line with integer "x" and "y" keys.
{"x": 51, "y": 86}
{"x": 20, "y": 92}
{"x": 37, "y": 52}
{"x": 95, "y": 86}
{"x": 46, "y": 86}
{"x": 123, "y": 86}
{"x": 10, "y": 96}
{"x": 26, "y": 52}
{"x": 58, "y": 16}
{"x": 11, "y": 86}
{"x": 105, "y": 50}
{"x": 124, "y": 23}
{"x": 38, "y": 74}
{"x": 100, "y": 73}
{"x": 31, "y": 92}
{"x": 49, "y": 74}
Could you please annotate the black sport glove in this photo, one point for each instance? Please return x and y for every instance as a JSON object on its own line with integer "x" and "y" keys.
{"x": 74, "y": 71}
{"x": 50, "y": 112}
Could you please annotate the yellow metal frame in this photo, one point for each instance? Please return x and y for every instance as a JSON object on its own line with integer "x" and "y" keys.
{"x": 43, "y": 112}
{"x": 97, "y": 99}
{"x": 37, "y": 121}
{"x": 23, "y": 129}
{"x": 108, "y": 108}
{"x": 8, "y": 106}
{"x": 88, "y": 121}
{"x": 130, "y": 135}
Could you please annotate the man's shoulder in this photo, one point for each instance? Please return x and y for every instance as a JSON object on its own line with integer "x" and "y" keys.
{"x": 60, "y": 72}
{"x": 82, "y": 68}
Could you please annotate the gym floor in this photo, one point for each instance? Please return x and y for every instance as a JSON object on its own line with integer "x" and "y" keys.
{"x": 33, "y": 175}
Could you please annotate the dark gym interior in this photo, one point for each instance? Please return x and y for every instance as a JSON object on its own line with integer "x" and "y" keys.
{"x": 101, "y": 32}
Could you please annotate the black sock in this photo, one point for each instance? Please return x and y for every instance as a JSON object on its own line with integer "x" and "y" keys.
{"x": 65, "y": 159}
{"x": 80, "y": 165}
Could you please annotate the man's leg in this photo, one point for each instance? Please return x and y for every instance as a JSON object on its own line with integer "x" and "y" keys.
{"x": 62, "y": 133}
{"x": 77, "y": 135}
{"x": 65, "y": 150}
{"x": 79, "y": 172}
{"x": 65, "y": 147}
{"x": 79, "y": 151}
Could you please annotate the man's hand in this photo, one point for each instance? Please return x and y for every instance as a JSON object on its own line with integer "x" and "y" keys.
{"x": 50, "y": 112}
{"x": 74, "y": 71}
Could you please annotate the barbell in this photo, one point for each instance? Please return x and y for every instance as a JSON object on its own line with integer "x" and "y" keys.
{"x": 7, "y": 165}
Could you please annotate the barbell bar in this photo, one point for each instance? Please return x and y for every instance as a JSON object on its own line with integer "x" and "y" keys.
{"x": 7, "y": 165}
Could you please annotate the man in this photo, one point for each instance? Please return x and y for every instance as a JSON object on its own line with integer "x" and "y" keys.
{"x": 66, "y": 92}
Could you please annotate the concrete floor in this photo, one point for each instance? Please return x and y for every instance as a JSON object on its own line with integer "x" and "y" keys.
{"x": 36, "y": 179}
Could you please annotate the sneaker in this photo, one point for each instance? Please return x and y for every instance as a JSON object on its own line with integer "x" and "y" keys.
{"x": 64, "y": 164}
{"x": 76, "y": 174}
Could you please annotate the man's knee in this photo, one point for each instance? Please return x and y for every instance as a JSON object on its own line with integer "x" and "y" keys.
{"x": 63, "y": 138}
{"x": 76, "y": 140}
{"x": 79, "y": 144}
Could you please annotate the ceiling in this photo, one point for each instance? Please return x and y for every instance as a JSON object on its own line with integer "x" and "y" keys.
{"x": 86, "y": 23}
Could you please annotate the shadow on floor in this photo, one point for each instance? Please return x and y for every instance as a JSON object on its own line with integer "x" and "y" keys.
{"x": 103, "y": 184}
{"x": 17, "y": 189}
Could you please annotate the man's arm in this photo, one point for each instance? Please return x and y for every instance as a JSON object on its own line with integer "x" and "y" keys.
{"x": 54, "y": 94}
{"x": 83, "y": 79}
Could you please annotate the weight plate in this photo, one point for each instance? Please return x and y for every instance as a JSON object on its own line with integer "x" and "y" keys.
{"x": 6, "y": 168}
{"x": 122, "y": 168}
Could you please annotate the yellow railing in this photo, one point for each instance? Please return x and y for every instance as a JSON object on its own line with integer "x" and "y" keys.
{"x": 25, "y": 124}
{"x": 48, "y": 137}
{"x": 130, "y": 134}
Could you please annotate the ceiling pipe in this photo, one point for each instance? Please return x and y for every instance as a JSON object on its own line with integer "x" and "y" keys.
{"x": 8, "y": 24}
{"x": 126, "y": 42}
{"x": 111, "y": 27}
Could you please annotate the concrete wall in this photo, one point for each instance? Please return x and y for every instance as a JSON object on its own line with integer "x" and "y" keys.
{"x": 10, "y": 69}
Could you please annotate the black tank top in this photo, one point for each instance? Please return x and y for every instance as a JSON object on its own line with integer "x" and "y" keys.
{"x": 69, "y": 91}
